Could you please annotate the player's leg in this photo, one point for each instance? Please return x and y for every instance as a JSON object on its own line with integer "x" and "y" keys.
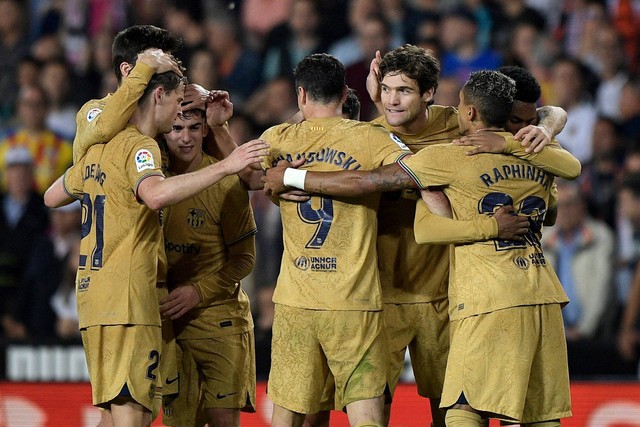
{"x": 366, "y": 412}
{"x": 283, "y": 417}
{"x": 320, "y": 419}
{"x": 106, "y": 420}
{"x": 464, "y": 416}
{"x": 355, "y": 344}
{"x": 298, "y": 365}
{"x": 126, "y": 412}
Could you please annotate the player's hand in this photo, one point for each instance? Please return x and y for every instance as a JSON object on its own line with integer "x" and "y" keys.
{"x": 294, "y": 195}
{"x": 437, "y": 202}
{"x": 195, "y": 97}
{"x": 533, "y": 137}
{"x": 510, "y": 225}
{"x": 247, "y": 154}
{"x": 373, "y": 79}
{"x": 273, "y": 178}
{"x": 219, "y": 108}
{"x": 179, "y": 301}
{"x": 628, "y": 343}
{"x": 161, "y": 62}
{"x": 483, "y": 142}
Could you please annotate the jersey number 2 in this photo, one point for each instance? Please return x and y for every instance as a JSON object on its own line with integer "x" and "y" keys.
{"x": 93, "y": 215}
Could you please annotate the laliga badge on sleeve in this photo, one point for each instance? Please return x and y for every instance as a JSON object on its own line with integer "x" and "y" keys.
{"x": 93, "y": 113}
{"x": 398, "y": 141}
{"x": 144, "y": 160}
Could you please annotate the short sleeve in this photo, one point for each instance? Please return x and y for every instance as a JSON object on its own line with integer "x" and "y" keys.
{"x": 72, "y": 181}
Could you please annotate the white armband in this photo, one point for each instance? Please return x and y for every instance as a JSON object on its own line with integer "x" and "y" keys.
{"x": 294, "y": 178}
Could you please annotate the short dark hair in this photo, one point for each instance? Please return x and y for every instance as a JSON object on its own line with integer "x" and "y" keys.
{"x": 527, "y": 87}
{"x": 322, "y": 76}
{"x": 351, "y": 106}
{"x": 169, "y": 81}
{"x": 491, "y": 93}
{"x": 130, "y": 42}
{"x": 414, "y": 62}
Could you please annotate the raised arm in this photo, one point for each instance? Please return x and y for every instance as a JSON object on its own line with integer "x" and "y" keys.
{"x": 98, "y": 121}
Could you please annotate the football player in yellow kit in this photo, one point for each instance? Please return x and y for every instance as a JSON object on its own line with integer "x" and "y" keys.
{"x": 328, "y": 300}
{"x": 415, "y": 277}
{"x": 469, "y": 182}
{"x": 122, "y": 187}
{"x": 210, "y": 246}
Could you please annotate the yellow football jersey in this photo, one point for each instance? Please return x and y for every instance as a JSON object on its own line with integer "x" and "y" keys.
{"x": 491, "y": 275}
{"x": 116, "y": 281}
{"x": 330, "y": 259}
{"x": 97, "y": 122}
{"x": 409, "y": 272}
{"x": 197, "y": 233}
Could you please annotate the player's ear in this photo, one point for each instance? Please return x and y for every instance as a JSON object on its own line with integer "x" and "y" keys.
{"x": 302, "y": 95}
{"x": 345, "y": 90}
{"x": 158, "y": 94}
{"x": 428, "y": 95}
{"x": 125, "y": 69}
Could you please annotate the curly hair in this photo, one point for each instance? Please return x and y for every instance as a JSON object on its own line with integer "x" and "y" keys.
{"x": 527, "y": 87}
{"x": 492, "y": 94}
{"x": 414, "y": 62}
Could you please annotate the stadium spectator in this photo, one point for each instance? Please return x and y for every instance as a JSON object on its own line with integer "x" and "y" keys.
{"x": 51, "y": 153}
{"x": 289, "y": 43}
{"x": 461, "y": 52}
{"x": 13, "y": 47}
{"x": 581, "y": 249}
{"x": 46, "y": 271}
{"x": 23, "y": 219}
{"x": 56, "y": 79}
{"x": 238, "y": 67}
{"x": 373, "y": 36}
{"x": 569, "y": 85}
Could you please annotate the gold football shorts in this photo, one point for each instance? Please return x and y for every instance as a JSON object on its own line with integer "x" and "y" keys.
{"x": 512, "y": 363}
{"x": 308, "y": 344}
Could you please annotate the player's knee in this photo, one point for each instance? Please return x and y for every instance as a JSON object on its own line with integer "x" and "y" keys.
{"x": 462, "y": 418}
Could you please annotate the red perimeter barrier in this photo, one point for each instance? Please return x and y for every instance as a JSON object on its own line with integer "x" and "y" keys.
{"x": 607, "y": 404}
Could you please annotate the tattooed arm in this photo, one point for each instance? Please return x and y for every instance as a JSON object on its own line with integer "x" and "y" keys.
{"x": 346, "y": 183}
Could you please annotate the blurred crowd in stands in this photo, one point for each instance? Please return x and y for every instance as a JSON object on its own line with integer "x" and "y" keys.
{"x": 56, "y": 54}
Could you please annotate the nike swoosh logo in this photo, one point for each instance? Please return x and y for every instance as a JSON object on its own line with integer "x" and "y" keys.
{"x": 222, "y": 396}
{"x": 171, "y": 381}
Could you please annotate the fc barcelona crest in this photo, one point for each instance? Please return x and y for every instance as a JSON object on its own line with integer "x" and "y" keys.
{"x": 195, "y": 218}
